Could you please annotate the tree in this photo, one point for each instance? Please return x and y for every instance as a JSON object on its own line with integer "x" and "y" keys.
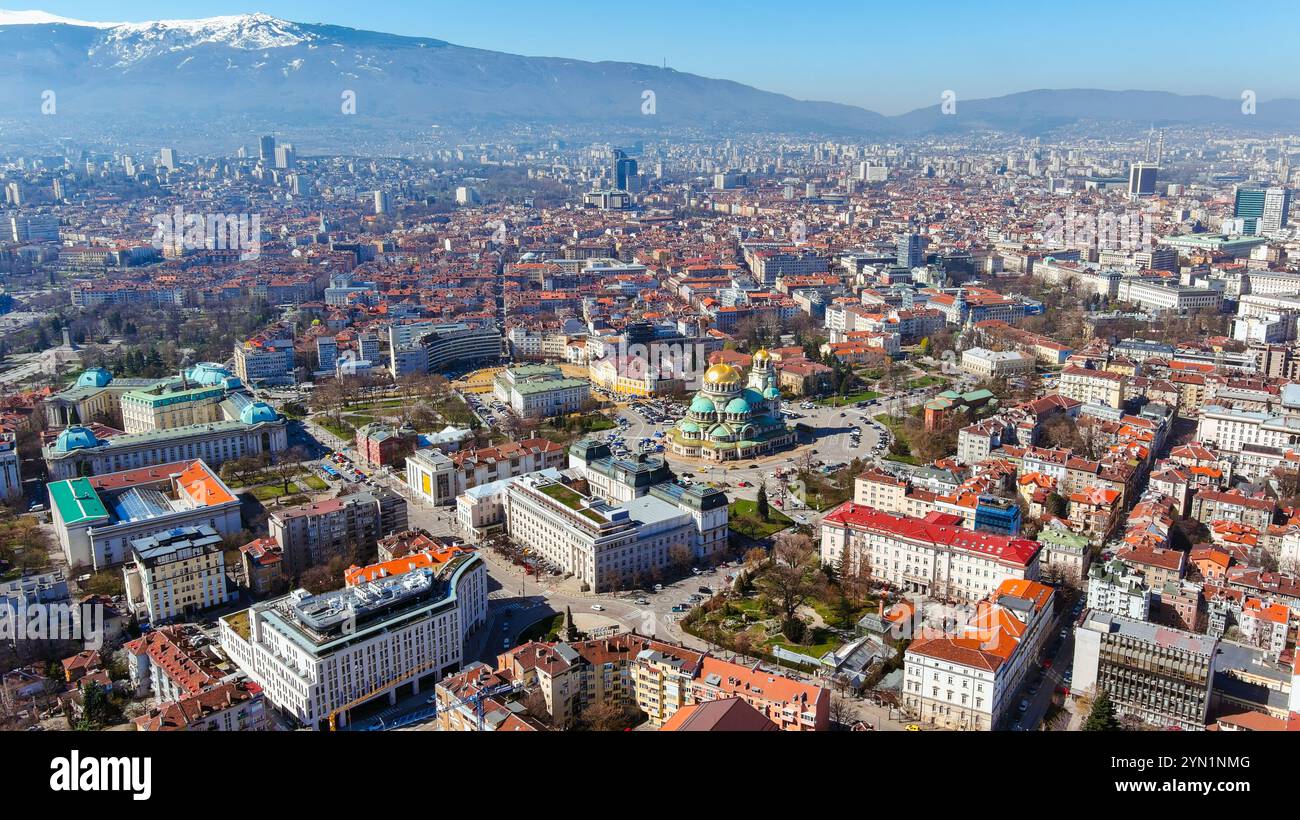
{"x": 763, "y": 509}
{"x": 1102, "y": 716}
{"x": 841, "y": 708}
{"x": 288, "y": 466}
{"x": 792, "y": 577}
{"x": 609, "y": 717}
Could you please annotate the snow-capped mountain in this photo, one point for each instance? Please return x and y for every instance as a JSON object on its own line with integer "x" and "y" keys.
{"x": 132, "y": 42}
{"x": 258, "y": 67}
{"x": 256, "y": 64}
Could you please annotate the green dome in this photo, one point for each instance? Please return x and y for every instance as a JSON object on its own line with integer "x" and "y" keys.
{"x": 689, "y": 427}
{"x": 258, "y": 412}
{"x": 771, "y": 393}
{"x": 719, "y": 433}
{"x": 75, "y": 438}
{"x": 738, "y": 405}
{"x": 94, "y": 377}
{"x": 701, "y": 405}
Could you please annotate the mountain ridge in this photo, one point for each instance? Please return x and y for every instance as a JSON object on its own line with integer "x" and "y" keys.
{"x": 263, "y": 65}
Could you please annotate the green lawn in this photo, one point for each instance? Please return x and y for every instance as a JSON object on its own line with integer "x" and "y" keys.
{"x": 268, "y": 491}
{"x": 926, "y": 381}
{"x": 895, "y": 426}
{"x": 852, "y": 398}
{"x": 570, "y": 499}
{"x": 341, "y": 429}
{"x": 744, "y": 519}
{"x": 312, "y": 482}
{"x": 824, "y": 641}
{"x": 547, "y": 629}
{"x": 913, "y": 460}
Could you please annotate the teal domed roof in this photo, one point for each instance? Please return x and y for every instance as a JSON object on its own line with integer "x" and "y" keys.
{"x": 689, "y": 427}
{"x": 257, "y": 412}
{"x": 208, "y": 374}
{"x": 771, "y": 393}
{"x": 738, "y": 405}
{"x": 75, "y": 438}
{"x": 94, "y": 377}
{"x": 752, "y": 396}
{"x": 719, "y": 433}
{"x": 701, "y": 405}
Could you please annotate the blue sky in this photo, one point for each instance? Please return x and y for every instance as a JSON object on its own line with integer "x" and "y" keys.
{"x": 890, "y": 57}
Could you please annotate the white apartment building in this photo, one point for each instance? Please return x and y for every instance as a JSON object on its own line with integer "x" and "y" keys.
{"x": 1093, "y": 386}
{"x": 438, "y": 479}
{"x": 318, "y": 656}
{"x": 1114, "y": 587}
{"x": 176, "y": 573}
{"x": 265, "y": 361}
{"x": 1229, "y": 430}
{"x": 604, "y": 546}
{"x": 985, "y": 363}
{"x": 11, "y": 478}
{"x": 968, "y": 680}
{"x": 933, "y": 555}
{"x": 1162, "y": 298}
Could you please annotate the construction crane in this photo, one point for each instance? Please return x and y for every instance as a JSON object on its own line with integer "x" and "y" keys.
{"x": 475, "y": 701}
{"x": 419, "y": 670}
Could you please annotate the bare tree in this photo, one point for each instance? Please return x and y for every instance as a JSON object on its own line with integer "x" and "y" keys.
{"x": 288, "y": 466}
{"x": 793, "y": 577}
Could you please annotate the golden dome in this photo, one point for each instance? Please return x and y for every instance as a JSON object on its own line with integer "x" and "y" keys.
{"x": 721, "y": 373}
{"x": 761, "y": 356}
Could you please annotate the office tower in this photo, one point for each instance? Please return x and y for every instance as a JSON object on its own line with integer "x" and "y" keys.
{"x": 911, "y": 250}
{"x": 1248, "y": 206}
{"x": 467, "y": 195}
{"x": 382, "y": 204}
{"x": 266, "y": 149}
{"x": 624, "y": 167}
{"x": 1142, "y": 175}
{"x": 1142, "y": 179}
{"x": 13, "y": 194}
{"x": 1277, "y": 201}
{"x": 167, "y": 158}
{"x": 284, "y": 156}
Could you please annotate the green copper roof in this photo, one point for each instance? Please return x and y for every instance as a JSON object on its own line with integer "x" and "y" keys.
{"x": 77, "y": 501}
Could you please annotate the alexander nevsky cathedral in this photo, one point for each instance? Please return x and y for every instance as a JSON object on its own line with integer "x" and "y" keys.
{"x": 730, "y": 419}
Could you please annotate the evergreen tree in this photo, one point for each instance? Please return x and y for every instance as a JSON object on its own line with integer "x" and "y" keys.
{"x": 762, "y": 501}
{"x": 1102, "y": 717}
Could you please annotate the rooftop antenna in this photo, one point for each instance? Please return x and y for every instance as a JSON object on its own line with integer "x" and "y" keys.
{"x": 1146, "y": 155}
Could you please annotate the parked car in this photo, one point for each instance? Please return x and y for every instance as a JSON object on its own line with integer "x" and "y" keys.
{"x": 597, "y": 608}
